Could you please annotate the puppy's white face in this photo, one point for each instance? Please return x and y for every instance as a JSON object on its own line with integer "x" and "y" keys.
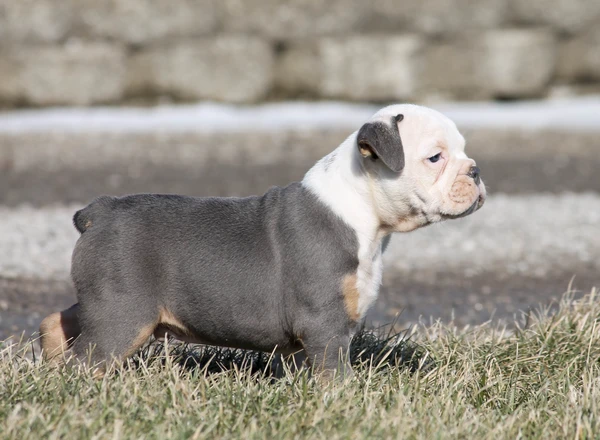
{"x": 437, "y": 180}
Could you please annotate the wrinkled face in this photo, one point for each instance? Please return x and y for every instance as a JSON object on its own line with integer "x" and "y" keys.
{"x": 437, "y": 181}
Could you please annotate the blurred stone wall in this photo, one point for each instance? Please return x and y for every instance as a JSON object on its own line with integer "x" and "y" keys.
{"x": 87, "y": 52}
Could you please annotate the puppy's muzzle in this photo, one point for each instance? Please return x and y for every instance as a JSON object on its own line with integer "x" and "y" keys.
{"x": 474, "y": 173}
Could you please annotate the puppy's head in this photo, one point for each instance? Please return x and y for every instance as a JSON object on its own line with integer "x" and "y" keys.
{"x": 417, "y": 168}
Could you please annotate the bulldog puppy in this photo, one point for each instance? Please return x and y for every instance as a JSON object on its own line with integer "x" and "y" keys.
{"x": 294, "y": 269}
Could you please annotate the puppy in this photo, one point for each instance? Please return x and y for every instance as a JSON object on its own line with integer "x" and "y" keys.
{"x": 294, "y": 269}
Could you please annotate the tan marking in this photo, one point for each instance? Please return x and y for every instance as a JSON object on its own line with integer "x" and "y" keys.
{"x": 351, "y": 295}
{"x": 140, "y": 339}
{"x": 57, "y": 333}
{"x": 88, "y": 224}
{"x": 168, "y": 318}
{"x": 171, "y": 325}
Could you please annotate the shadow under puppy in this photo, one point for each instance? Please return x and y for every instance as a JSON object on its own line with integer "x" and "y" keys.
{"x": 294, "y": 269}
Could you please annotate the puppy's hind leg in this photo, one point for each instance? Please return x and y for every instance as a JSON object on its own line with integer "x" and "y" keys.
{"x": 113, "y": 331}
{"x": 58, "y": 331}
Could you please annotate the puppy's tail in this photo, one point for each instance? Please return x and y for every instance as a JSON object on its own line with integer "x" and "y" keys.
{"x": 81, "y": 221}
{"x": 84, "y": 218}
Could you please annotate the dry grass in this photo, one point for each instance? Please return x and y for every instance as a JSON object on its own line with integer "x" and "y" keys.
{"x": 542, "y": 382}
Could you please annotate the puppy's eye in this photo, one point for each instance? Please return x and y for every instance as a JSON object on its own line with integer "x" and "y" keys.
{"x": 434, "y": 159}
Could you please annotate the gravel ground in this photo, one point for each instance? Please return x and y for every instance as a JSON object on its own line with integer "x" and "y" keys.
{"x": 527, "y": 234}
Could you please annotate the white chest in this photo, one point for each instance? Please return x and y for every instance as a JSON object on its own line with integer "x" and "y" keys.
{"x": 368, "y": 281}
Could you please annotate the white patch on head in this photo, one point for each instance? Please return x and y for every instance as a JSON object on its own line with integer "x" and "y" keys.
{"x": 374, "y": 201}
{"x": 432, "y": 189}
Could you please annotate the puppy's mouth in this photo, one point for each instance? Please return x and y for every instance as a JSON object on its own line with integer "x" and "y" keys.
{"x": 478, "y": 203}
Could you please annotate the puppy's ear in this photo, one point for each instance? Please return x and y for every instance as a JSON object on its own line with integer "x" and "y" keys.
{"x": 379, "y": 140}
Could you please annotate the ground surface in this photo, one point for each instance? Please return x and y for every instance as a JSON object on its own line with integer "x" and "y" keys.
{"x": 539, "y": 229}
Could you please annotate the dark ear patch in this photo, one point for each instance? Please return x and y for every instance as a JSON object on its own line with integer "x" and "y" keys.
{"x": 380, "y": 140}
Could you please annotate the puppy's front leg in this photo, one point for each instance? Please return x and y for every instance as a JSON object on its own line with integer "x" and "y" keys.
{"x": 328, "y": 354}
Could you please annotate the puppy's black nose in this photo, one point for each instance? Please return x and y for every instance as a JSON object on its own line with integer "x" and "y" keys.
{"x": 474, "y": 173}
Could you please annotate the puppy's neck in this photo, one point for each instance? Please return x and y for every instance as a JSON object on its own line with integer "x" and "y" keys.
{"x": 341, "y": 183}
